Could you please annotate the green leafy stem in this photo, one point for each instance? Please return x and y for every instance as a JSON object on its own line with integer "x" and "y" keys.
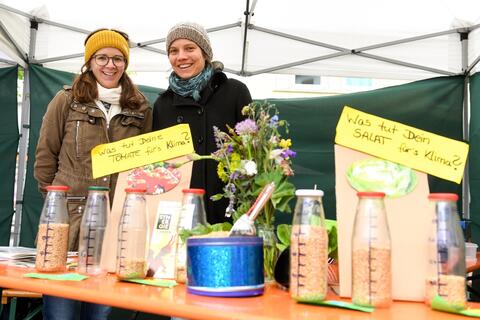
{"x": 284, "y": 232}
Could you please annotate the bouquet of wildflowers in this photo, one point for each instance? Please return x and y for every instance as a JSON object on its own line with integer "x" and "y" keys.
{"x": 252, "y": 155}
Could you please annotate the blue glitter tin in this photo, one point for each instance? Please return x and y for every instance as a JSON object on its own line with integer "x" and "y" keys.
{"x": 225, "y": 267}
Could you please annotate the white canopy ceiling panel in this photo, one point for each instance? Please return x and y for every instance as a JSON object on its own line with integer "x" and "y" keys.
{"x": 14, "y": 36}
{"x": 144, "y": 61}
{"x": 376, "y": 17}
{"x": 231, "y": 54}
{"x": 356, "y": 66}
{"x": 5, "y": 60}
{"x": 443, "y": 53}
{"x": 474, "y": 50}
{"x": 283, "y": 36}
{"x": 266, "y": 51}
{"x": 54, "y": 42}
{"x": 142, "y": 19}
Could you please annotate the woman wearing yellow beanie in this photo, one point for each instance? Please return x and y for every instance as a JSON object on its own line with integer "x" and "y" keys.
{"x": 103, "y": 105}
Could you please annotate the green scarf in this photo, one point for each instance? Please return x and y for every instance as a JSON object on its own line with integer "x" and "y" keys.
{"x": 193, "y": 86}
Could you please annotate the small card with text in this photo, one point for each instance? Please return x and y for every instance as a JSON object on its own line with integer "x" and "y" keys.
{"x": 163, "y": 243}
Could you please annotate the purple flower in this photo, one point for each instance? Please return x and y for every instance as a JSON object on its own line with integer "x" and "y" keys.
{"x": 273, "y": 121}
{"x": 288, "y": 153}
{"x": 229, "y": 149}
{"x": 234, "y": 176}
{"x": 218, "y": 136}
{"x": 246, "y": 126}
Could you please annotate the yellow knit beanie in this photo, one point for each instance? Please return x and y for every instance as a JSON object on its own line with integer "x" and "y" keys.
{"x": 106, "y": 38}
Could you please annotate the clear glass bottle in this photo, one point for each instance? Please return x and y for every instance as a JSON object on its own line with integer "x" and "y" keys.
{"x": 270, "y": 250}
{"x": 308, "y": 247}
{"x": 92, "y": 230}
{"x": 371, "y": 252}
{"x": 446, "y": 268}
{"x": 133, "y": 236}
{"x": 52, "y": 238}
{"x": 191, "y": 214}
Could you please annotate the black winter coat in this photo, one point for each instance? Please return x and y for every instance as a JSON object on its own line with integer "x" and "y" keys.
{"x": 221, "y": 104}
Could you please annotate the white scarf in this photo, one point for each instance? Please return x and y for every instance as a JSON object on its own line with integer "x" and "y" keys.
{"x": 111, "y": 96}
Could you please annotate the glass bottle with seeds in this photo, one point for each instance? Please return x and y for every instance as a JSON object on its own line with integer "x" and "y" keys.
{"x": 92, "y": 230}
{"x": 52, "y": 238}
{"x": 371, "y": 252}
{"x": 133, "y": 236}
{"x": 446, "y": 252}
{"x": 192, "y": 214}
{"x": 308, "y": 247}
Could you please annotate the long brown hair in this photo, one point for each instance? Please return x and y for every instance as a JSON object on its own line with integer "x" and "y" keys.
{"x": 84, "y": 87}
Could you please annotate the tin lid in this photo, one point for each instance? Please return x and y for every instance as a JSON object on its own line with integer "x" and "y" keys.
{"x": 197, "y": 191}
{"x": 371, "y": 194}
{"x": 98, "y": 188}
{"x": 135, "y": 190}
{"x": 443, "y": 196}
{"x": 309, "y": 193}
{"x": 57, "y": 188}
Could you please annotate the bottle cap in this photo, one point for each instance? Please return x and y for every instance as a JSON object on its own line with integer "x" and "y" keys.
{"x": 371, "y": 194}
{"x": 197, "y": 191}
{"x": 443, "y": 196}
{"x": 309, "y": 193}
{"x": 98, "y": 188}
{"x": 57, "y": 188}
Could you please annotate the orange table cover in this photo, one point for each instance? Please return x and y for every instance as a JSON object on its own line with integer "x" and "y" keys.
{"x": 274, "y": 304}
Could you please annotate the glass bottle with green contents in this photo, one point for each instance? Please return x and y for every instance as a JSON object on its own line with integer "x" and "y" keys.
{"x": 192, "y": 214}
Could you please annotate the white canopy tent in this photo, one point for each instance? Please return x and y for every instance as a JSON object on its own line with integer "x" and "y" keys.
{"x": 378, "y": 39}
{"x": 405, "y": 40}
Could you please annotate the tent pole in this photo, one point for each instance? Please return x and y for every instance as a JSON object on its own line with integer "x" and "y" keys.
{"x": 8, "y": 61}
{"x": 371, "y": 47}
{"x": 209, "y": 30}
{"x": 357, "y": 51}
{"x": 24, "y": 135}
{"x": 472, "y": 65}
{"x": 46, "y": 60}
{"x": 348, "y": 52}
{"x": 466, "y": 126}
{"x": 247, "y": 14}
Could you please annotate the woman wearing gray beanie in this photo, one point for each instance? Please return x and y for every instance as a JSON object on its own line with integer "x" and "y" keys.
{"x": 201, "y": 95}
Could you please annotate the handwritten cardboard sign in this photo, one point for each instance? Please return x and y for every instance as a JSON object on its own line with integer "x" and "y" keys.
{"x": 137, "y": 151}
{"x": 409, "y": 146}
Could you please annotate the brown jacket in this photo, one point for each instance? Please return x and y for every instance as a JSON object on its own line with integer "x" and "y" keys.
{"x": 69, "y": 131}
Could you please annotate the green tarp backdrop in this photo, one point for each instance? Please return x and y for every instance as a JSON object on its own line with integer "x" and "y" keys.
{"x": 433, "y": 105}
{"x": 9, "y": 137}
{"x": 474, "y": 157}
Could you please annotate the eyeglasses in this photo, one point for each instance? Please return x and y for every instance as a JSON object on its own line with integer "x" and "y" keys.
{"x": 102, "y": 60}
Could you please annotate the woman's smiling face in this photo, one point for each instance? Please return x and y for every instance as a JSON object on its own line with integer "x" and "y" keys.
{"x": 109, "y": 75}
{"x": 186, "y": 58}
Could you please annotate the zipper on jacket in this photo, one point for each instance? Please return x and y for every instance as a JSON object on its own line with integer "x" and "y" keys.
{"x": 76, "y": 136}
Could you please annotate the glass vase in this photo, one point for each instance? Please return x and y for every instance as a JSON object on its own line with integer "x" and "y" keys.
{"x": 270, "y": 250}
